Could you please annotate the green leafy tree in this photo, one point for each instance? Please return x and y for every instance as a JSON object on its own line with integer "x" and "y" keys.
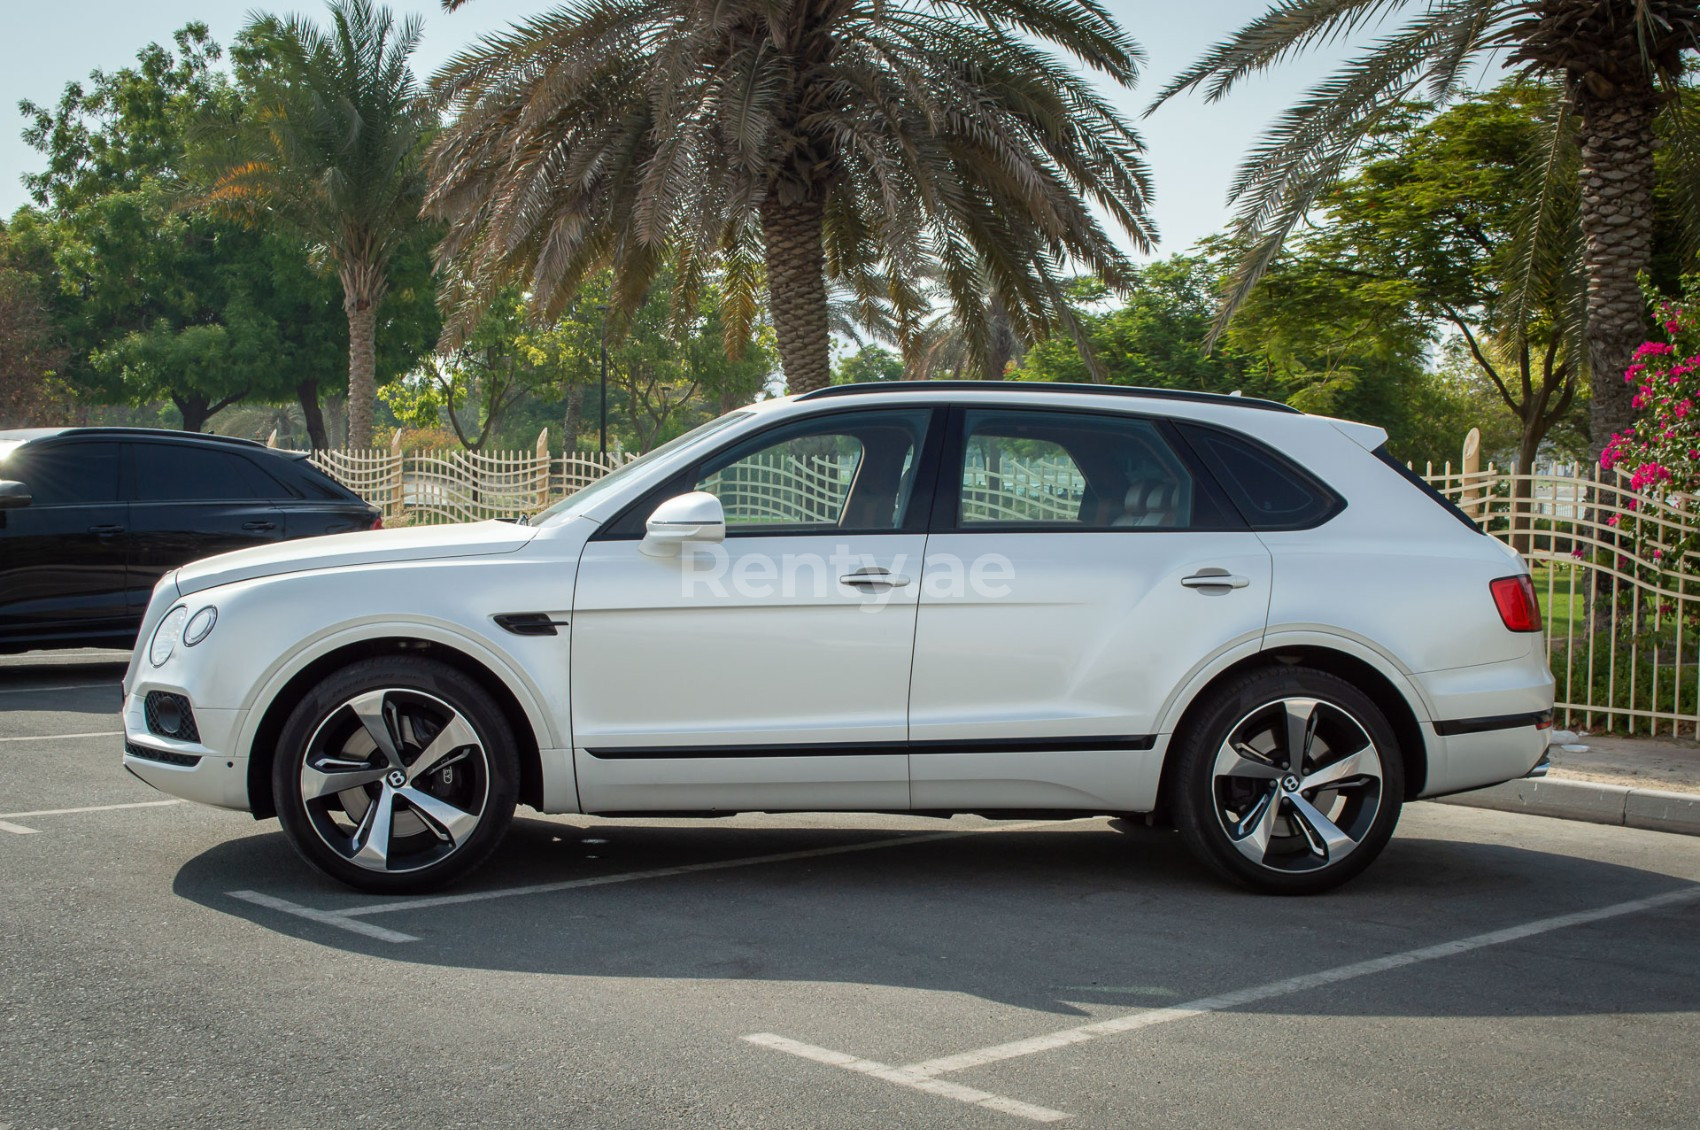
{"x": 30, "y": 351}
{"x": 1436, "y": 223}
{"x": 868, "y": 364}
{"x": 1311, "y": 336}
{"x": 152, "y": 300}
{"x": 337, "y": 126}
{"x": 1615, "y": 61}
{"x": 1153, "y": 338}
{"x": 797, "y": 144}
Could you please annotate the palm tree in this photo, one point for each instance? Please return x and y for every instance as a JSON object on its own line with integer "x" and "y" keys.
{"x": 341, "y": 127}
{"x": 1616, "y": 62}
{"x": 792, "y": 143}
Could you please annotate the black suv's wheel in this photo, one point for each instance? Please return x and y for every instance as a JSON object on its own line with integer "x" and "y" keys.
{"x": 1288, "y": 780}
{"x": 396, "y": 775}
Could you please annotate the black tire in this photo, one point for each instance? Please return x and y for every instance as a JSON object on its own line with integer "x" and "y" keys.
{"x": 445, "y": 798}
{"x": 1238, "y": 808}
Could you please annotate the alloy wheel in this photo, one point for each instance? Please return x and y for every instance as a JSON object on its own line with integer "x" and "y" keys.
{"x": 1297, "y": 784}
{"x": 395, "y": 780}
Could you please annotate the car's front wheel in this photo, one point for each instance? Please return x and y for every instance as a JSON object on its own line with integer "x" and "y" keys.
{"x": 396, "y": 775}
{"x": 1289, "y": 780}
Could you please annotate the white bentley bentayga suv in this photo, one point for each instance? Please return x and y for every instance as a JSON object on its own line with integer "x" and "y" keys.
{"x": 929, "y": 598}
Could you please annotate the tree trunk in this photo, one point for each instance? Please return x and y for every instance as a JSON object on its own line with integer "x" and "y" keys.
{"x": 575, "y": 411}
{"x": 195, "y": 410}
{"x": 362, "y": 371}
{"x": 796, "y": 283}
{"x": 1617, "y": 228}
{"x": 307, "y": 395}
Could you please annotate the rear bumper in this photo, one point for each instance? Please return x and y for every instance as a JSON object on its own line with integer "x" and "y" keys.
{"x": 1491, "y": 723}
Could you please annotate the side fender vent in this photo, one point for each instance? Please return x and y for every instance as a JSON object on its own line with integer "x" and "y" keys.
{"x": 529, "y": 623}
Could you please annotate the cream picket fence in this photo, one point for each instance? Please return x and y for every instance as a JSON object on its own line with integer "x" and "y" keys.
{"x": 1618, "y": 578}
{"x": 1617, "y": 572}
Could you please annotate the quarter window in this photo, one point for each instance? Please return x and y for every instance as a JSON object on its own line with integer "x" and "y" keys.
{"x": 1270, "y": 492}
{"x": 846, "y": 472}
{"x": 1069, "y": 470}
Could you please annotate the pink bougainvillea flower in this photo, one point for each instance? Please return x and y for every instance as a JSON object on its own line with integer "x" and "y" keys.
{"x": 1654, "y": 349}
{"x": 1612, "y": 521}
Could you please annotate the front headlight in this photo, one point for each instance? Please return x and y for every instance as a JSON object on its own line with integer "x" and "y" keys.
{"x": 165, "y": 636}
{"x": 200, "y": 626}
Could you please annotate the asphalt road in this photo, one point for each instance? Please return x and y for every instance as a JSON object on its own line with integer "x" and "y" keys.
{"x": 172, "y": 965}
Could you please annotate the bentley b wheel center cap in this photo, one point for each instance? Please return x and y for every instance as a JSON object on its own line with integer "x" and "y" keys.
{"x": 396, "y": 778}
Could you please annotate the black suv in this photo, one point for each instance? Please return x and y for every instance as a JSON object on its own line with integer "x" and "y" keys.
{"x": 91, "y": 518}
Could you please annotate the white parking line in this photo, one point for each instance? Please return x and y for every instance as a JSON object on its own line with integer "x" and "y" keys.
{"x": 903, "y": 1078}
{"x": 329, "y": 919}
{"x": 20, "y": 830}
{"x": 64, "y": 737}
{"x": 65, "y": 687}
{"x": 349, "y": 919}
{"x": 920, "y": 1076}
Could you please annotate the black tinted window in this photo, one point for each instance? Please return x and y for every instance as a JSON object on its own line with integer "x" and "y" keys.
{"x": 168, "y": 473}
{"x": 1270, "y": 492}
{"x": 74, "y": 474}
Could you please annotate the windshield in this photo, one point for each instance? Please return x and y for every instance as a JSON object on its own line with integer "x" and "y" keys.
{"x": 576, "y": 501}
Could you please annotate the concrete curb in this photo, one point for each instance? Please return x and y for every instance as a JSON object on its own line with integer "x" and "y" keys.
{"x": 1592, "y": 801}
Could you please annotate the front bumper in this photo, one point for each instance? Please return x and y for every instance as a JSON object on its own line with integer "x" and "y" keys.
{"x": 200, "y": 771}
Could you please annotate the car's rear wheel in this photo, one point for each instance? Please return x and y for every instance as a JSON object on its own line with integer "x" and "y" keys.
{"x": 1288, "y": 780}
{"x": 396, "y": 775}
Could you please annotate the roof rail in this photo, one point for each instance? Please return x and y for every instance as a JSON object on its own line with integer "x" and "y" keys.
{"x": 126, "y": 432}
{"x": 1234, "y": 399}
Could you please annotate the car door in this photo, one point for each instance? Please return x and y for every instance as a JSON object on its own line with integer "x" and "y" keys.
{"x": 62, "y": 570}
{"x": 1078, "y": 569}
{"x": 189, "y": 501}
{"x": 770, "y": 671}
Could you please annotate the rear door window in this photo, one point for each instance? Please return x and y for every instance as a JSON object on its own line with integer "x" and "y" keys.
{"x": 1026, "y": 469}
{"x": 171, "y": 473}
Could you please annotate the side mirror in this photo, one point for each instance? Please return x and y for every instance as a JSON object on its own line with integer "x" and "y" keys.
{"x": 13, "y": 494}
{"x": 694, "y": 517}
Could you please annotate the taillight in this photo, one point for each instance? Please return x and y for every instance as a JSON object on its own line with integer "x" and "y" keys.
{"x": 1515, "y": 599}
{"x": 378, "y": 522}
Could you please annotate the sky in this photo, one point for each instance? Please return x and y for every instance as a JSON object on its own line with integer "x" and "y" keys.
{"x": 1192, "y": 147}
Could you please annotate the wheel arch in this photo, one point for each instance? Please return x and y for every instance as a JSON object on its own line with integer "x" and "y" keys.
{"x": 1367, "y": 676}
{"x": 262, "y": 747}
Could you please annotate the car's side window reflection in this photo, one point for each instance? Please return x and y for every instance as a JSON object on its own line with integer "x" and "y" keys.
{"x": 843, "y": 473}
{"x": 1059, "y": 469}
{"x": 81, "y": 474}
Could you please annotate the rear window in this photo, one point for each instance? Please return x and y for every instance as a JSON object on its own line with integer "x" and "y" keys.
{"x": 316, "y": 484}
{"x": 172, "y": 473}
{"x": 1270, "y": 491}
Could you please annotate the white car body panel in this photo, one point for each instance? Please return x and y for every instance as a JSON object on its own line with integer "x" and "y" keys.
{"x": 1097, "y": 639}
{"x": 834, "y": 661}
{"x": 1065, "y": 649}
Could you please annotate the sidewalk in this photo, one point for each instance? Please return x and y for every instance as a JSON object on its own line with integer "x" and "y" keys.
{"x": 1633, "y": 782}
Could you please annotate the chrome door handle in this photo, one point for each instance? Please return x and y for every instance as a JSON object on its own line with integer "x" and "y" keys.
{"x": 1214, "y": 581}
{"x": 872, "y": 580}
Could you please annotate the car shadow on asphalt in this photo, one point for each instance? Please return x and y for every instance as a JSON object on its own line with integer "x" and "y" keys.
{"x": 1056, "y": 919}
